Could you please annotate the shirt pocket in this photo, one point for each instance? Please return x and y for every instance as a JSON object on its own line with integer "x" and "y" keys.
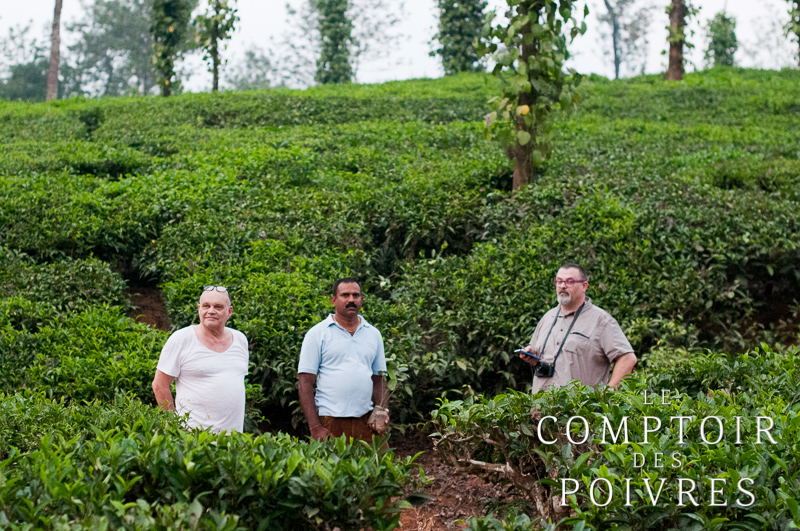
{"x": 577, "y": 343}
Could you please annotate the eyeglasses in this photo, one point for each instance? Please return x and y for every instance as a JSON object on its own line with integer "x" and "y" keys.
{"x": 221, "y": 289}
{"x": 568, "y": 281}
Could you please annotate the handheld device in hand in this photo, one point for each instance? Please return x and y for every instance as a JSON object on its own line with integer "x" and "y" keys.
{"x": 520, "y": 351}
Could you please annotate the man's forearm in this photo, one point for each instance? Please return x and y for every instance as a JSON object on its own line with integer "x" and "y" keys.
{"x": 622, "y": 368}
{"x": 379, "y": 395}
{"x": 164, "y": 398}
{"x": 162, "y": 388}
{"x": 306, "y": 392}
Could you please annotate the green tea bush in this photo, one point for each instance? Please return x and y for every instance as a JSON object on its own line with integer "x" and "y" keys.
{"x": 77, "y": 157}
{"x": 68, "y": 285}
{"x": 529, "y": 441}
{"x": 91, "y": 355}
{"x": 129, "y": 467}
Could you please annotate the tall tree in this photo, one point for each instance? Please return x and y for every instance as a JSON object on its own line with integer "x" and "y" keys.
{"x": 532, "y": 78}
{"x": 372, "y": 38}
{"x": 213, "y": 27}
{"x": 679, "y": 11}
{"x": 335, "y": 30}
{"x": 722, "y": 40}
{"x": 460, "y": 23}
{"x": 114, "y": 48}
{"x": 55, "y": 55}
{"x": 169, "y": 27}
{"x": 793, "y": 27}
{"x": 627, "y": 23}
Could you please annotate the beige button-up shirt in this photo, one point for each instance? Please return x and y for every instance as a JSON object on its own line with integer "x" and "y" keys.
{"x": 594, "y": 343}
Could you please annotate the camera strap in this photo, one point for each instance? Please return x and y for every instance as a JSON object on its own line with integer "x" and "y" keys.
{"x": 544, "y": 345}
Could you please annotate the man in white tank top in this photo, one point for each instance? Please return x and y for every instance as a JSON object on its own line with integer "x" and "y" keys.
{"x": 208, "y": 363}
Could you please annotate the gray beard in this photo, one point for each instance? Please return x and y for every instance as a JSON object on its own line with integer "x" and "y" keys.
{"x": 566, "y": 298}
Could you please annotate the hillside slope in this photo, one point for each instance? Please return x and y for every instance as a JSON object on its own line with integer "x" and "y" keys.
{"x": 680, "y": 198}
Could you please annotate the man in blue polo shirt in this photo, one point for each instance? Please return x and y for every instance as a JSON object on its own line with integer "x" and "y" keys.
{"x": 343, "y": 357}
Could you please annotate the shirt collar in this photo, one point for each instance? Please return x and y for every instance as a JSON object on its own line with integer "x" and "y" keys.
{"x": 330, "y": 322}
{"x": 586, "y": 305}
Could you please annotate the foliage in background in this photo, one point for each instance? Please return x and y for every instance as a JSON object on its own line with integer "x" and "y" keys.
{"x": 114, "y": 53}
{"x": 793, "y": 26}
{"x": 296, "y": 54}
{"x": 335, "y": 37}
{"x": 628, "y": 21}
{"x": 722, "y": 43}
{"x": 529, "y": 50}
{"x": 169, "y": 29}
{"x": 254, "y": 71}
{"x": 211, "y": 28}
{"x": 24, "y": 66}
{"x": 460, "y": 24}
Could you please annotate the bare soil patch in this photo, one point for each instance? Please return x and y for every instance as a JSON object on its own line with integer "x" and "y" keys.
{"x": 456, "y": 494}
{"x": 148, "y": 306}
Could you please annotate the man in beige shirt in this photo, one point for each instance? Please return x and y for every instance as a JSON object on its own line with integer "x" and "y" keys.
{"x": 576, "y": 340}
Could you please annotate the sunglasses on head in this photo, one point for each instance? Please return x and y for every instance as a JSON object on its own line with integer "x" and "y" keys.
{"x": 210, "y": 287}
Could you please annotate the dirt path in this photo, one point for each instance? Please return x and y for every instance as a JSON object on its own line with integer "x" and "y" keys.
{"x": 148, "y": 306}
{"x": 456, "y": 495}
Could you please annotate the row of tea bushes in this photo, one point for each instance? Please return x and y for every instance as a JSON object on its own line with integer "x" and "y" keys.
{"x": 127, "y": 466}
{"x": 66, "y": 285}
{"x": 621, "y": 459}
{"x": 444, "y": 101}
{"x": 687, "y": 221}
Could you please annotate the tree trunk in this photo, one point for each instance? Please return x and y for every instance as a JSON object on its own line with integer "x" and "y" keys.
{"x": 614, "y": 38}
{"x": 677, "y": 20}
{"x": 524, "y": 165}
{"x": 796, "y": 22}
{"x": 215, "y": 59}
{"x": 215, "y": 48}
{"x": 55, "y": 55}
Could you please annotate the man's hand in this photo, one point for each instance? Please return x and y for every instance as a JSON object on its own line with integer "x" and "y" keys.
{"x": 320, "y": 432}
{"x": 379, "y": 420}
{"x": 306, "y": 383}
{"x": 528, "y": 359}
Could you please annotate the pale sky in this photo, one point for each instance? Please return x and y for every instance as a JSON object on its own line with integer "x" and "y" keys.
{"x": 265, "y": 19}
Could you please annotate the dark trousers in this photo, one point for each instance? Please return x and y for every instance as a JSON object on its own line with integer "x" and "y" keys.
{"x": 355, "y": 427}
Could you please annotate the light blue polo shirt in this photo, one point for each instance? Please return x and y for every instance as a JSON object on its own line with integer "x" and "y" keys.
{"x": 344, "y": 366}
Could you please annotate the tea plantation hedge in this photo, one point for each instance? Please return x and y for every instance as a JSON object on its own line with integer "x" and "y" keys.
{"x": 681, "y": 199}
{"x": 128, "y": 466}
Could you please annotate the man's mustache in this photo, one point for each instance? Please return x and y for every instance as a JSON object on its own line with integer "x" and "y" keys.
{"x": 350, "y": 305}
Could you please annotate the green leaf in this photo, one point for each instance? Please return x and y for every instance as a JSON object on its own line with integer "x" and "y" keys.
{"x": 523, "y": 137}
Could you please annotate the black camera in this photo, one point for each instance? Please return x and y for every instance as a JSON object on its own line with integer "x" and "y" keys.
{"x": 544, "y": 369}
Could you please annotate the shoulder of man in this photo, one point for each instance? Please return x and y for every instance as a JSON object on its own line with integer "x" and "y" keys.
{"x": 320, "y": 326}
{"x": 181, "y": 336}
{"x": 601, "y": 314}
{"x": 238, "y": 335}
{"x": 373, "y": 330}
{"x": 604, "y": 319}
